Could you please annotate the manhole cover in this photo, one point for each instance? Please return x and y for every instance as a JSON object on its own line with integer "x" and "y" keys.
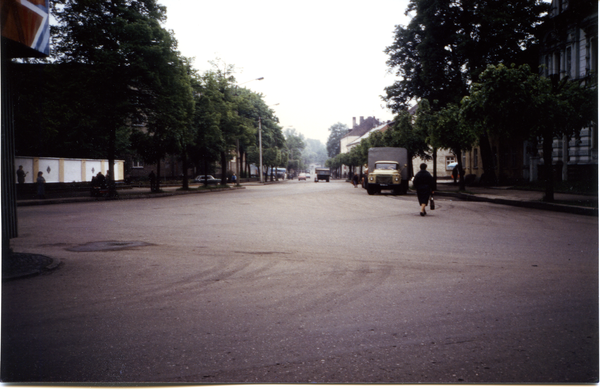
{"x": 107, "y": 246}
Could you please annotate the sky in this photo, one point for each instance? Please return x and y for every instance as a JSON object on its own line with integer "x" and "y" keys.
{"x": 323, "y": 62}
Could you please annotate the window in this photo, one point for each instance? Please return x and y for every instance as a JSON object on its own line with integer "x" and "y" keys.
{"x": 389, "y": 166}
{"x": 137, "y": 164}
{"x": 475, "y": 159}
{"x": 449, "y": 160}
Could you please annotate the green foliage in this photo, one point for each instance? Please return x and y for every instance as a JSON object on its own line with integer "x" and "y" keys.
{"x": 118, "y": 41}
{"x": 295, "y": 144}
{"x": 448, "y": 43}
{"x": 514, "y": 102}
{"x": 336, "y": 133}
{"x": 315, "y": 152}
{"x": 412, "y": 136}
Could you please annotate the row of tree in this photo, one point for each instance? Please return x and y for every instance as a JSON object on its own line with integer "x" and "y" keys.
{"x": 116, "y": 85}
{"x": 457, "y": 59}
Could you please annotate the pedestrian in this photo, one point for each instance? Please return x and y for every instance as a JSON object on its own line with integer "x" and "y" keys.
{"x": 423, "y": 182}
{"x": 152, "y": 177}
{"x": 355, "y": 180}
{"x": 40, "y": 185}
{"x": 233, "y": 178}
{"x": 100, "y": 180}
{"x": 20, "y": 179}
{"x": 455, "y": 174}
{"x": 21, "y": 175}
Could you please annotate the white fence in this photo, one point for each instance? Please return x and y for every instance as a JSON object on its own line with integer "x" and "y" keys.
{"x": 66, "y": 170}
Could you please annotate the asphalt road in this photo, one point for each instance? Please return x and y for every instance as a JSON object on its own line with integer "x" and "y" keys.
{"x": 303, "y": 283}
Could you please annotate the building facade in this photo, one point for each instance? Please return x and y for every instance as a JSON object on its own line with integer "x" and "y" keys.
{"x": 569, "y": 48}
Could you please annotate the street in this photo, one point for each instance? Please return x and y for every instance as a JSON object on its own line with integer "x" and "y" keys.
{"x": 303, "y": 282}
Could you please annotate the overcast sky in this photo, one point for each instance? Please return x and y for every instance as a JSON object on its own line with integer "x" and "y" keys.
{"x": 322, "y": 61}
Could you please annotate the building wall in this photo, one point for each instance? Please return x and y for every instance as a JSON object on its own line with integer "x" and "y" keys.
{"x": 570, "y": 49}
{"x": 444, "y": 157}
{"x": 66, "y": 170}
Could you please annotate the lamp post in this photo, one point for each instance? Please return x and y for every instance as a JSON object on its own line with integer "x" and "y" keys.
{"x": 260, "y": 167}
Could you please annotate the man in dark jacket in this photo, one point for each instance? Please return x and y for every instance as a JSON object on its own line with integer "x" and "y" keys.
{"x": 423, "y": 183}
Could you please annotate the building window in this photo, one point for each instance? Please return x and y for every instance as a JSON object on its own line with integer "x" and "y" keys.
{"x": 449, "y": 160}
{"x": 137, "y": 164}
{"x": 475, "y": 159}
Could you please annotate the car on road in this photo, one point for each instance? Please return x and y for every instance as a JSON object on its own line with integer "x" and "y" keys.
{"x": 209, "y": 178}
{"x": 308, "y": 175}
{"x": 302, "y": 176}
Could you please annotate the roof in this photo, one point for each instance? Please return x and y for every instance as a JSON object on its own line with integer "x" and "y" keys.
{"x": 380, "y": 128}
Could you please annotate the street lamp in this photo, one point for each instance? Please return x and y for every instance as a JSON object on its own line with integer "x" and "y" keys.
{"x": 260, "y": 147}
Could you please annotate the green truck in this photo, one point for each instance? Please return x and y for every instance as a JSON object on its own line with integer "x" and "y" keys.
{"x": 322, "y": 174}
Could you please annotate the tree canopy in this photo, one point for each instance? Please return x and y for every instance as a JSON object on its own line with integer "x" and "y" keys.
{"x": 448, "y": 43}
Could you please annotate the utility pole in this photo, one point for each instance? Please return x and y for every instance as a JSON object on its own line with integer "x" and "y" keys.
{"x": 260, "y": 150}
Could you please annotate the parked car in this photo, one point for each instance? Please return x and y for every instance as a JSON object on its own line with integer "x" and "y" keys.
{"x": 209, "y": 178}
{"x": 308, "y": 175}
{"x": 302, "y": 176}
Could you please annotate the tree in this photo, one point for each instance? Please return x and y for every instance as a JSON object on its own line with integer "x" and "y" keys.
{"x": 405, "y": 134}
{"x": 116, "y": 40}
{"x": 448, "y": 43}
{"x": 315, "y": 152}
{"x": 336, "y": 133}
{"x": 169, "y": 113}
{"x": 545, "y": 108}
{"x": 295, "y": 146}
{"x": 449, "y": 131}
{"x": 205, "y": 123}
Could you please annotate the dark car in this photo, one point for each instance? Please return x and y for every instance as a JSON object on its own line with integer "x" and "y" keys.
{"x": 209, "y": 178}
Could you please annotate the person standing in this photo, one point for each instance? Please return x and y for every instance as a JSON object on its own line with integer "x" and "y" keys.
{"x": 21, "y": 175}
{"x": 41, "y": 193}
{"x": 20, "y": 179}
{"x": 423, "y": 183}
{"x": 152, "y": 177}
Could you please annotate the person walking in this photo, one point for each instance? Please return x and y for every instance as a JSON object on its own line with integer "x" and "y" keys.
{"x": 41, "y": 193}
{"x": 423, "y": 182}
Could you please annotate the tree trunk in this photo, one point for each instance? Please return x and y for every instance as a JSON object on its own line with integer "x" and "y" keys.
{"x": 434, "y": 169}
{"x": 184, "y": 167}
{"x": 548, "y": 174}
{"x": 487, "y": 160}
{"x": 112, "y": 140}
{"x": 223, "y": 168}
{"x": 205, "y": 171}
{"x": 157, "y": 184}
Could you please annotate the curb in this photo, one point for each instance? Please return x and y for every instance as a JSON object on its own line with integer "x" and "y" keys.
{"x": 37, "y": 202}
{"x": 30, "y": 265}
{"x": 589, "y": 211}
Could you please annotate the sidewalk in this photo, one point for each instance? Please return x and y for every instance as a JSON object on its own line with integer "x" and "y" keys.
{"x": 567, "y": 203}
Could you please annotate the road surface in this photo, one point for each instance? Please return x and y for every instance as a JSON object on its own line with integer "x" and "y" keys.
{"x": 303, "y": 282}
